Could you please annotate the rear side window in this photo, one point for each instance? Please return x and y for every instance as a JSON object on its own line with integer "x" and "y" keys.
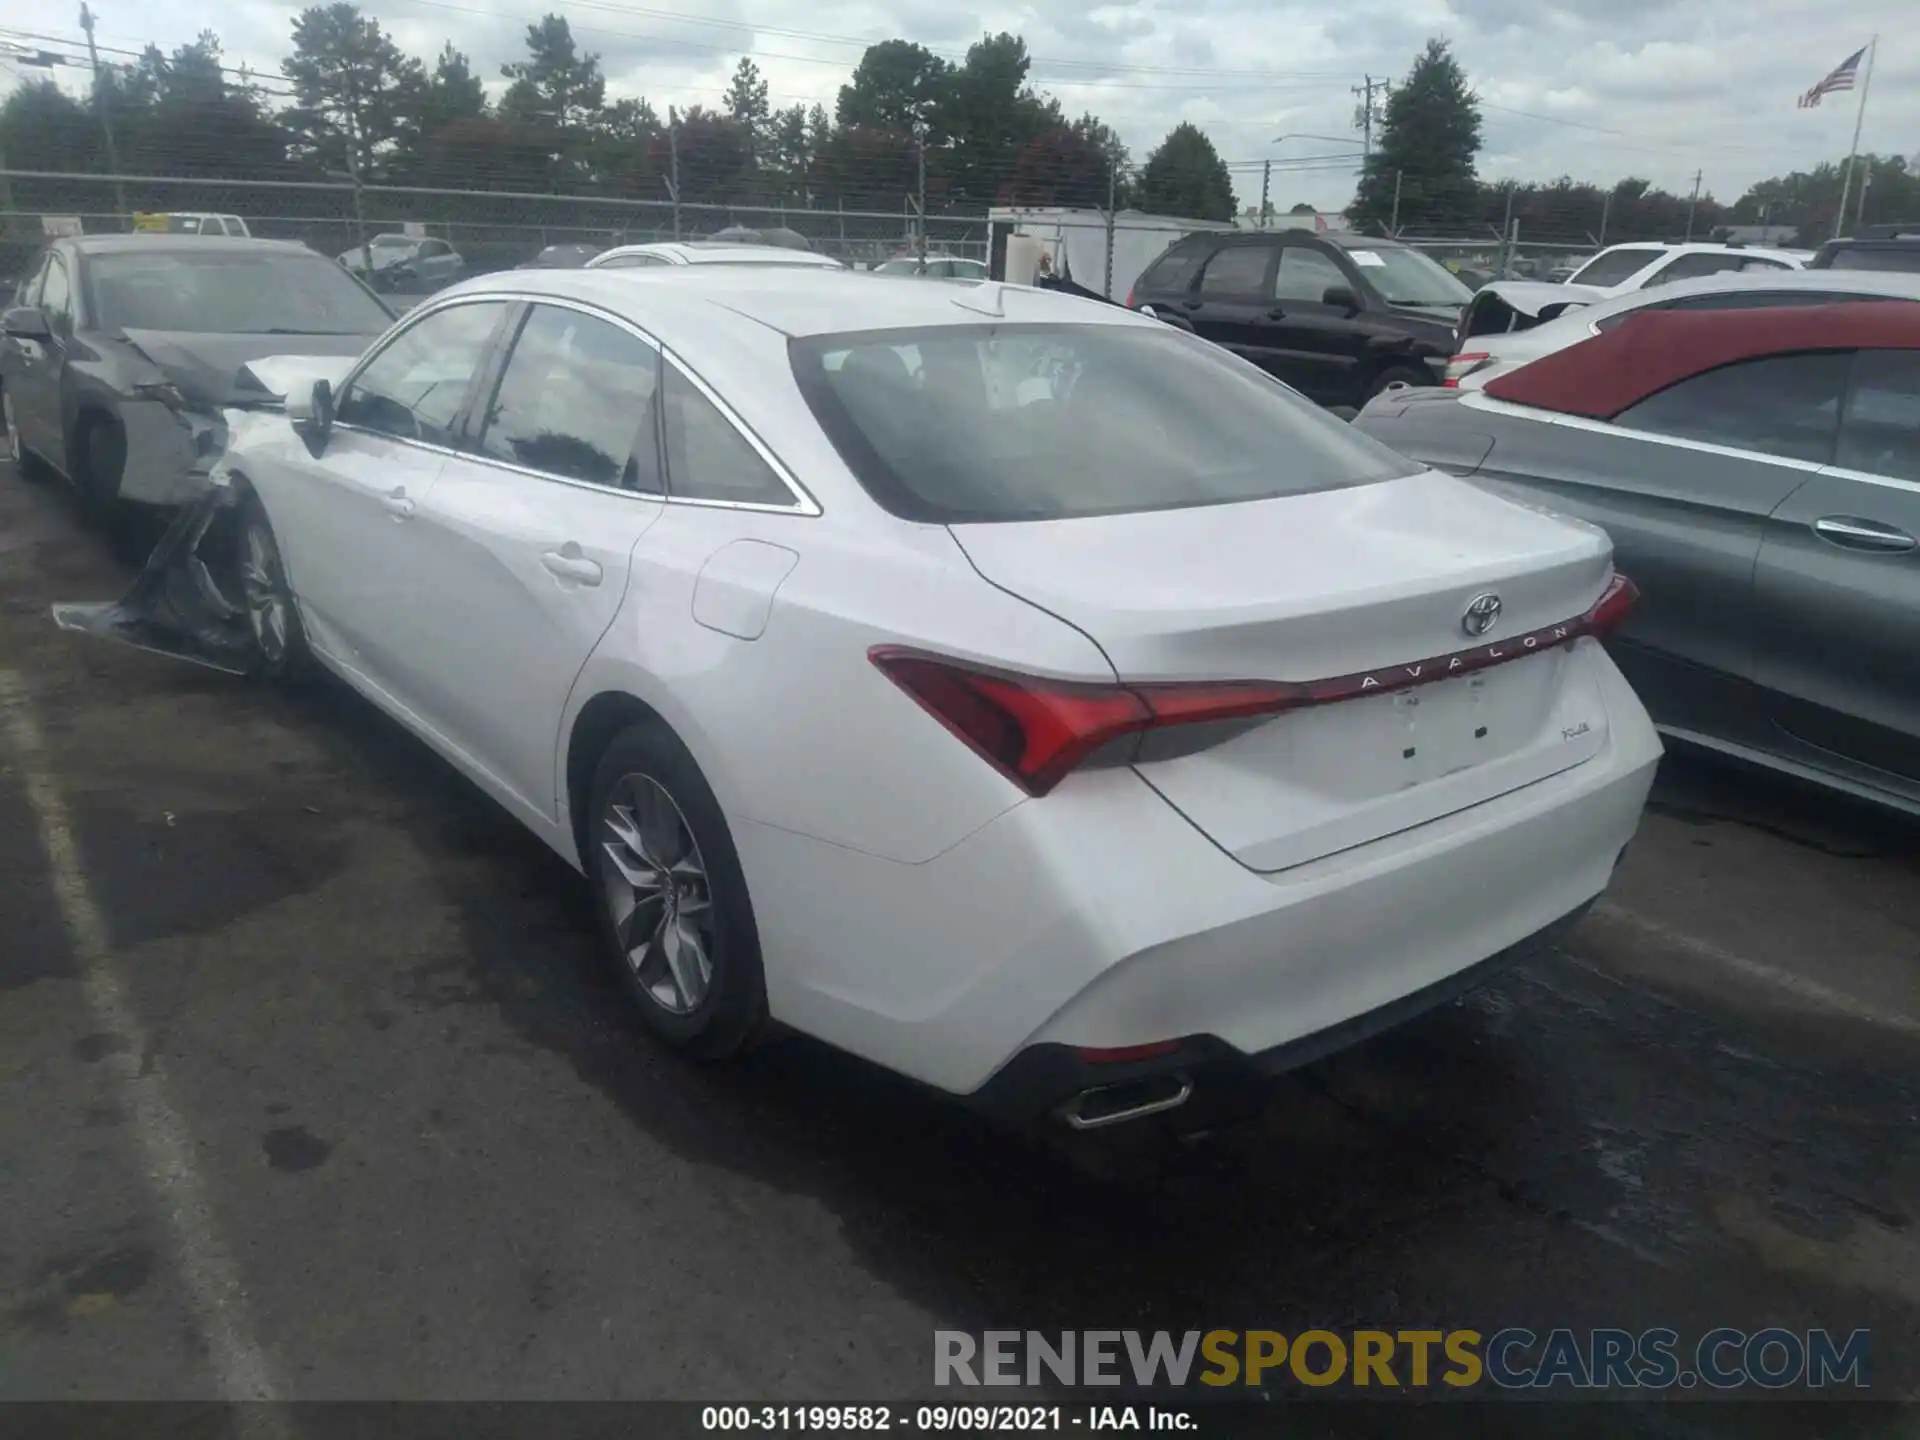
{"x": 1693, "y": 267}
{"x": 1614, "y": 266}
{"x": 1880, "y": 432}
{"x": 1173, "y": 270}
{"x": 707, "y": 456}
{"x": 1046, "y": 422}
{"x": 1785, "y": 405}
{"x": 628, "y": 262}
{"x": 576, "y": 401}
{"x": 1237, "y": 270}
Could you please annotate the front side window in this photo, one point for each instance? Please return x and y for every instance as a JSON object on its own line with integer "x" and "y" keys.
{"x": 1236, "y": 271}
{"x": 1611, "y": 267}
{"x": 1045, "y": 422}
{"x": 1880, "y": 432}
{"x": 707, "y": 456}
{"x": 1785, "y": 405}
{"x": 413, "y": 389}
{"x": 1306, "y": 275}
{"x": 576, "y": 401}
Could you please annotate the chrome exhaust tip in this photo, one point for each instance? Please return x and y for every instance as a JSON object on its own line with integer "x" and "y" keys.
{"x": 1101, "y": 1105}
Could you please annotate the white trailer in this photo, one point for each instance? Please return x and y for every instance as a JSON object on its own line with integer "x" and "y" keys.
{"x": 1077, "y": 243}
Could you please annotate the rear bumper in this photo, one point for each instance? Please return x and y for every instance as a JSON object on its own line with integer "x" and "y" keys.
{"x": 1038, "y": 1081}
{"x": 1100, "y": 918}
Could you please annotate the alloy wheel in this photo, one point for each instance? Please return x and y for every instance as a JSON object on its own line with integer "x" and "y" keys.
{"x": 656, "y": 889}
{"x": 265, "y": 595}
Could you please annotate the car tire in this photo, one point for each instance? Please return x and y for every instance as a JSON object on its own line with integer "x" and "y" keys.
{"x": 100, "y": 459}
{"x": 1395, "y": 375}
{"x": 279, "y": 639}
{"x": 688, "y": 951}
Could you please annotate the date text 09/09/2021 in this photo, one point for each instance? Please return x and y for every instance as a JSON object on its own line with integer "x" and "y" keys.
{"x": 978, "y": 1419}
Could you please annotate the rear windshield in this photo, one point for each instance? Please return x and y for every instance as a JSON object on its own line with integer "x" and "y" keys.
{"x": 1903, "y": 259}
{"x": 1613, "y": 266}
{"x": 1047, "y": 422}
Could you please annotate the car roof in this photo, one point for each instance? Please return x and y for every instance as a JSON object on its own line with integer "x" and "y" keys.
{"x": 1343, "y": 239}
{"x": 797, "y": 303}
{"x": 695, "y": 252}
{"x": 151, "y": 242}
{"x": 1620, "y": 367}
{"x": 1694, "y": 247}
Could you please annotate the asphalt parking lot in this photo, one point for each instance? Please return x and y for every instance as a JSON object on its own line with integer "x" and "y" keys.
{"x": 317, "y": 1088}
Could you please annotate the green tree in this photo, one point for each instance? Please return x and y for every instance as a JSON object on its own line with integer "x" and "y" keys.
{"x": 988, "y": 115}
{"x": 896, "y": 85}
{"x": 747, "y": 105}
{"x": 1427, "y": 144}
{"x": 1187, "y": 177}
{"x": 555, "y": 83}
{"x": 352, "y": 85}
{"x": 788, "y": 154}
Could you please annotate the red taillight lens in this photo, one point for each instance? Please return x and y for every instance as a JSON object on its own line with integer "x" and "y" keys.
{"x": 1037, "y": 731}
{"x": 1121, "y": 1054}
{"x": 1462, "y": 365}
{"x": 1620, "y": 596}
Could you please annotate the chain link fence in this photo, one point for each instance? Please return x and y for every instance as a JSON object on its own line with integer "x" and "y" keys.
{"x": 492, "y": 230}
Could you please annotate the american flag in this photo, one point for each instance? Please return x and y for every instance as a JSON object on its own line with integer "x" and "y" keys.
{"x": 1840, "y": 79}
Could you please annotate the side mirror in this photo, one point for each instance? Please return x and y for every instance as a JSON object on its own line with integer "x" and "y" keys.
{"x": 311, "y": 415}
{"x": 27, "y": 322}
{"x": 1341, "y": 297}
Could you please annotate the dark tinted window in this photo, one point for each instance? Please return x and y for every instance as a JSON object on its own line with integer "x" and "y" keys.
{"x": 1904, "y": 259}
{"x": 1305, "y": 275}
{"x": 1693, "y": 267}
{"x": 1785, "y": 405}
{"x": 1042, "y": 422}
{"x": 1881, "y": 430}
{"x": 576, "y": 400}
{"x": 413, "y": 388}
{"x": 1611, "y": 267}
{"x": 228, "y": 292}
{"x": 1237, "y": 270}
{"x": 707, "y": 456}
{"x": 1173, "y": 270}
{"x": 629, "y": 262}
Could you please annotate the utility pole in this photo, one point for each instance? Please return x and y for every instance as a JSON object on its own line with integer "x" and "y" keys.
{"x": 1693, "y": 202}
{"x": 1393, "y": 225}
{"x": 1365, "y": 92}
{"x": 100, "y": 103}
{"x": 673, "y": 165}
{"x": 1606, "y": 209}
{"x": 1266, "y": 178}
{"x": 920, "y": 194}
{"x": 1113, "y": 205}
{"x": 1509, "y": 233}
{"x": 1859, "y": 119}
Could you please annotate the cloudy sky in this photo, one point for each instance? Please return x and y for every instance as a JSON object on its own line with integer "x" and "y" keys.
{"x": 1597, "y": 89}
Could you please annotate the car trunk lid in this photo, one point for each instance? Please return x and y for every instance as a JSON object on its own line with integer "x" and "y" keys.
{"x": 1360, "y": 595}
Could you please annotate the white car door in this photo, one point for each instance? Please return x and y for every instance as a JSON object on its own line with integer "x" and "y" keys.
{"x": 526, "y": 541}
{"x": 344, "y": 518}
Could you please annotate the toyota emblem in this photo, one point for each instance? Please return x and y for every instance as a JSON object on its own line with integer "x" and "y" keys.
{"x": 1481, "y": 612}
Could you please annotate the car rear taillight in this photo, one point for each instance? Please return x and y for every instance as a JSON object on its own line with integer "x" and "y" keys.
{"x": 1037, "y": 731}
{"x": 1620, "y": 596}
{"x": 1130, "y": 297}
{"x": 1461, "y": 366}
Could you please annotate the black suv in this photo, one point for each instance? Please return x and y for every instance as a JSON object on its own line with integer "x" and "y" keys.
{"x": 1876, "y": 247}
{"x": 1338, "y": 316}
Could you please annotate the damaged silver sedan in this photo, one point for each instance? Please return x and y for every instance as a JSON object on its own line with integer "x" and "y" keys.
{"x": 123, "y": 354}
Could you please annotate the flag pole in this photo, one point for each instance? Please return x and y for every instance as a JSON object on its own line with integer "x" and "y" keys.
{"x": 1860, "y": 115}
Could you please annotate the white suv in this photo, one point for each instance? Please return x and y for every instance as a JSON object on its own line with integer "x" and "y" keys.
{"x": 1621, "y": 268}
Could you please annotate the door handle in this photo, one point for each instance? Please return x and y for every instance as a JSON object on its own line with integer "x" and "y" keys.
{"x": 1852, "y": 533}
{"x": 567, "y": 563}
{"x": 398, "y": 505}
{"x": 1274, "y": 312}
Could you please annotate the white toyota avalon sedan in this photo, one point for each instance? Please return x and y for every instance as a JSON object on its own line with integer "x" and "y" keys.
{"x": 1010, "y": 689}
